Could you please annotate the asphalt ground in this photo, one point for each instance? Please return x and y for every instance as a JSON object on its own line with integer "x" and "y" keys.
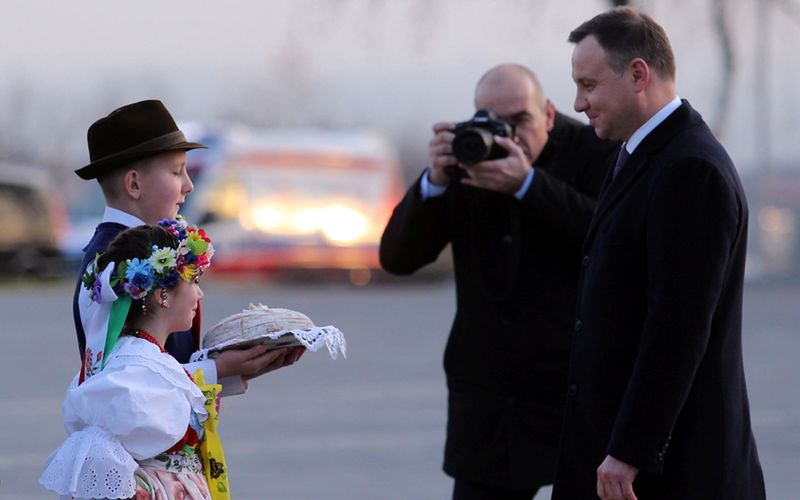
{"x": 367, "y": 427}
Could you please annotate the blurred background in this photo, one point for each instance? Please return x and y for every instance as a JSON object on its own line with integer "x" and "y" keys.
{"x": 318, "y": 114}
{"x": 365, "y": 68}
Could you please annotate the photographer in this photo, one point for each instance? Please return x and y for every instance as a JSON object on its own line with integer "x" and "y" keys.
{"x": 516, "y": 223}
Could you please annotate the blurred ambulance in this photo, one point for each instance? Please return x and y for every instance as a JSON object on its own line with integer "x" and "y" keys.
{"x": 298, "y": 199}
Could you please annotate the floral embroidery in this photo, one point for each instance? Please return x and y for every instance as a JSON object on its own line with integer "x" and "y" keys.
{"x": 91, "y": 362}
{"x": 217, "y": 469}
{"x": 217, "y": 395}
{"x": 186, "y": 460}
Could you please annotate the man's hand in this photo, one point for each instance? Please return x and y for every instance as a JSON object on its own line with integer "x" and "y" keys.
{"x": 440, "y": 153}
{"x": 255, "y": 361}
{"x": 615, "y": 480}
{"x": 505, "y": 175}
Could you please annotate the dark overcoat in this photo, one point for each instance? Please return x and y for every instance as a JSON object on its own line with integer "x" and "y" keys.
{"x": 516, "y": 268}
{"x": 656, "y": 377}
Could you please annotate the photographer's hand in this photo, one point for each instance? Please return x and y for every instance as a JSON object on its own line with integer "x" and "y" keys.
{"x": 505, "y": 175}
{"x": 440, "y": 153}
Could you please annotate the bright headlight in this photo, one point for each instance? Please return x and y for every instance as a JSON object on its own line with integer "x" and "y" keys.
{"x": 338, "y": 223}
{"x": 267, "y": 218}
{"x": 342, "y": 224}
{"x": 306, "y": 221}
{"x": 776, "y": 220}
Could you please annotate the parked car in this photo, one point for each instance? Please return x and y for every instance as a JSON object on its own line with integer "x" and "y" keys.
{"x": 32, "y": 218}
{"x": 298, "y": 199}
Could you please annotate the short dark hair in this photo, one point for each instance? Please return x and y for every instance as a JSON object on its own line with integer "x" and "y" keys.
{"x": 625, "y": 35}
{"x": 109, "y": 181}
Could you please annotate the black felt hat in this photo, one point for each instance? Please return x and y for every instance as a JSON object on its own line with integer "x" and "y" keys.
{"x": 131, "y": 133}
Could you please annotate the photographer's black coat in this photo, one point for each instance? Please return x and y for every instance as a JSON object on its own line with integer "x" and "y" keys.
{"x": 516, "y": 268}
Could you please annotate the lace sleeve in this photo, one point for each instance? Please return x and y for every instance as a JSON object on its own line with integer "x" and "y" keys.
{"x": 134, "y": 409}
{"x": 91, "y": 463}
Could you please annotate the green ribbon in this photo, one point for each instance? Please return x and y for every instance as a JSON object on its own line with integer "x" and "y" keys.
{"x": 116, "y": 319}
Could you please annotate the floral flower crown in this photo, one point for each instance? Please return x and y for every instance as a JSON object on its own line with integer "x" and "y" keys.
{"x": 163, "y": 268}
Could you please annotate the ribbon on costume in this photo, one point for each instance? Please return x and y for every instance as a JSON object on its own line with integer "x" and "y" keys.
{"x": 102, "y": 315}
{"x": 215, "y": 468}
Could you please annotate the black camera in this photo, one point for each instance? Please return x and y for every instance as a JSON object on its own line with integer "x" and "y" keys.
{"x": 474, "y": 139}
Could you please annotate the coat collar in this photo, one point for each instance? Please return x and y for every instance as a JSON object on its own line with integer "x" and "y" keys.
{"x": 682, "y": 118}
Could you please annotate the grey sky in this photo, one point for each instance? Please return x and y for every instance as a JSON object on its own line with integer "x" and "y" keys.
{"x": 395, "y": 65}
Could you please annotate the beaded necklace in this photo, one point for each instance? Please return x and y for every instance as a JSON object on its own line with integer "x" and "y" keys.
{"x": 146, "y": 336}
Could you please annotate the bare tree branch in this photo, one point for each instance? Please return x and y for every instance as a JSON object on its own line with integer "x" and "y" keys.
{"x": 719, "y": 14}
{"x": 761, "y": 85}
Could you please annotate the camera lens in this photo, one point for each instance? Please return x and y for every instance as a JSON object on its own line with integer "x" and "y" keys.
{"x": 472, "y": 145}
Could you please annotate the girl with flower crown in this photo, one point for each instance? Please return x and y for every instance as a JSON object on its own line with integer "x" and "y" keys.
{"x": 135, "y": 416}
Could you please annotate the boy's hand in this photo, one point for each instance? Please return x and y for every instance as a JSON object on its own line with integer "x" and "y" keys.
{"x": 255, "y": 361}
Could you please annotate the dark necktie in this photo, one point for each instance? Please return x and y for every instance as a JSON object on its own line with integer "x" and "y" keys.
{"x": 621, "y": 159}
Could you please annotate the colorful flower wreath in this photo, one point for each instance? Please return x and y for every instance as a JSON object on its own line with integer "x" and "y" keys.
{"x": 162, "y": 269}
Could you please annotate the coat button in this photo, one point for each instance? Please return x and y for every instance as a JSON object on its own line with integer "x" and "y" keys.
{"x": 660, "y": 457}
{"x": 572, "y": 390}
{"x": 586, "y": 260}
{"x": 578, "y": 325}
{"x": 507, "y": 239}
{"x": 504, "y": 321}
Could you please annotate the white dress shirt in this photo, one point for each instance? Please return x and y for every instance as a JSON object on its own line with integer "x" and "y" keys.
{"x": 651, "y": 124}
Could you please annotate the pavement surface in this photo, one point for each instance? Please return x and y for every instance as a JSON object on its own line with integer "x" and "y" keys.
{"x": 367, "y": 427}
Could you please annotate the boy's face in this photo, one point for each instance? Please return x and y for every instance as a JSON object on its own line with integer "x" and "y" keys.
{"x": 164, "y": 186}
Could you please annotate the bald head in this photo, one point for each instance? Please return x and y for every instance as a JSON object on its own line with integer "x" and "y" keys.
{"x": 513, "y": 93}
{"x": 510, "y": 79}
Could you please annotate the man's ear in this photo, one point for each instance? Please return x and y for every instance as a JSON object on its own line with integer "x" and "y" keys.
{"x": 132, "y": 184}
{"x": 550, "y": 114}
{"x": 640, "y": 73}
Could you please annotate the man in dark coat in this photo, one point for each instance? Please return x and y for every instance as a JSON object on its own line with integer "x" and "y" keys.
{"x": 515, "y": 226}
{"x": 138, "y": 156}
{"x": 657, "y": 405}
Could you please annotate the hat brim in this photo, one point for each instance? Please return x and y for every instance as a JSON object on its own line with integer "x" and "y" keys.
{"x": 110, "y": 162}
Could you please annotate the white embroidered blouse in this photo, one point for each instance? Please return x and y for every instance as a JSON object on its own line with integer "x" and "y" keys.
{"x": 137, "y": 407}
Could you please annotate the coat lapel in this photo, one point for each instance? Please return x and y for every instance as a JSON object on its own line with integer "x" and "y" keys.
{"x": 614, "y": 189}
{"x": 637, "y": 164}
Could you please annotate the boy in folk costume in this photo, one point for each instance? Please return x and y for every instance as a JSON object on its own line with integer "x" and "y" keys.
{"x": 136, "y": 417}
{"x": 138, "y": 156}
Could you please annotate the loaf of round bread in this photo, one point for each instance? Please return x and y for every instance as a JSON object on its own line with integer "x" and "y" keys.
{"x": 254, "y": 322}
